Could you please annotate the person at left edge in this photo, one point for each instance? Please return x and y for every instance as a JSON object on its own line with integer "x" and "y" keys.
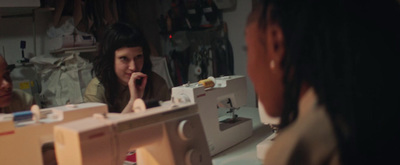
{"x": 11, "y": 100}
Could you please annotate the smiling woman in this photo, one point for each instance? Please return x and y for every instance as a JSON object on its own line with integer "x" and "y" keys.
{"x": 123, "y": 71}
{"x": 127, "y": 61}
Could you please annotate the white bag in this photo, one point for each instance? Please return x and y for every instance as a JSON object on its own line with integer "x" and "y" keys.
{"x": 63, "y": 79}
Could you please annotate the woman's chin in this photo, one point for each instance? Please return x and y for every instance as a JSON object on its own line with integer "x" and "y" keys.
{"x": 123, "y": 82}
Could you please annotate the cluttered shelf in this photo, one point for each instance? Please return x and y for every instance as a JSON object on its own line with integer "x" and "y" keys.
{"x": 79, "y": 49}
{"x": 11, "y": 12}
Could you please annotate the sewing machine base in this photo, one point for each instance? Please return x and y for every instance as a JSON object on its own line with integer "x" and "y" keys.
{"x": 262, "y": 148}
{"x": 229, "y": 123}
{"x": 232, "y": 134}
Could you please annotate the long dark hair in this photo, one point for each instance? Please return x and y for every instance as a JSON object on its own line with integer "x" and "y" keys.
{"x": 333, "y": 46}
{"x": 117, "y": 36}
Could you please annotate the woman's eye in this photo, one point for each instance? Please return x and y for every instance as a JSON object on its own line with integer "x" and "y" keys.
{"x": 139, "y": 56}
{"x": 7, "y": 76}
{"x": 123, "y": 58}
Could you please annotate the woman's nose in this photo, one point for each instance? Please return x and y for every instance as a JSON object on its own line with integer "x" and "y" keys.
{"x": 132, "y": 65}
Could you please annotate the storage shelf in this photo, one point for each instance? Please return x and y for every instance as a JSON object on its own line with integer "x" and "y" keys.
{"x": 80, "y": 49}
{"x": 12, "y": 12}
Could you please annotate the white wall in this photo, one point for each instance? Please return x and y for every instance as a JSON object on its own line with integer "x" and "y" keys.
{"x": 236, "y": 19}
{"x": 12, "y": 31}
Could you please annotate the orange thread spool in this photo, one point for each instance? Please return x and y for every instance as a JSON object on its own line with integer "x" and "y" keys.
{"x": 207, "y": 83}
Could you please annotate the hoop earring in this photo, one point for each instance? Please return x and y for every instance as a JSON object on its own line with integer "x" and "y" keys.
{"x": 272, "y": 64}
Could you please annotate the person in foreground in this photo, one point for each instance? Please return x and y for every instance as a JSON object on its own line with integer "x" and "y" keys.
{"x": 123, "y": 71}
{"x": 328, "y": 70}
{"x": 11, "y": 100}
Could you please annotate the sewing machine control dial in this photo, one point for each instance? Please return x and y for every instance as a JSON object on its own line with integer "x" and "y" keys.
{"x": 193, "y": 157}
{"x": 185, "y": 130}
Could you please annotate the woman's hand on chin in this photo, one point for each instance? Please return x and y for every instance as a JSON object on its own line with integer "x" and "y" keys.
{"x": 137, "y": 84}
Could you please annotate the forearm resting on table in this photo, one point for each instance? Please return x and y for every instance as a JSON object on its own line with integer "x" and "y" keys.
{"x": 128, "y": 107}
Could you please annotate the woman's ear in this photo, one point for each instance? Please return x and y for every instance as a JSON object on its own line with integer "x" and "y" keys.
{"x": 275, "y": 42}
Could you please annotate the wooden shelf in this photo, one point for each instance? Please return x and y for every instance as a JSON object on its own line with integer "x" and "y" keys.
{"x": 12, "y": 12}
{"x": 20, "y": 3}
{"x": 75, "y": 49}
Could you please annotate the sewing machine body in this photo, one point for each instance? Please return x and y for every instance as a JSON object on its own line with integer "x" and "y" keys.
{"x": 229, "y": 92}
{"x": 21, "y": 142}
{"x": 168, "y": 134}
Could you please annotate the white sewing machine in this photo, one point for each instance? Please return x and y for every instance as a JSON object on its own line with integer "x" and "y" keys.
{"x": 22, "y": 141}
{"x": 164, "y": 135}
{"x": 229, "y": 93}
{"x": 273, "y": 122}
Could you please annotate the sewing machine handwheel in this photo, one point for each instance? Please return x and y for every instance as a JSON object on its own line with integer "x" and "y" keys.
{"x": 185, "y": 130}
{"x": 139, "y": 106}
{"x": 193, "y": 157}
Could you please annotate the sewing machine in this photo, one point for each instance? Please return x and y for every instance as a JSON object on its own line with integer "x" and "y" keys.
{"x": 23, "y": 134}
{"x": 225, "y": 97}
{"x": 273, "y": 122}
{"x": 168, "y": 134}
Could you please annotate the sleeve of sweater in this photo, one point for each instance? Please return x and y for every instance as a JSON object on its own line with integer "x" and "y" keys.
{"x": 94, "y": 92}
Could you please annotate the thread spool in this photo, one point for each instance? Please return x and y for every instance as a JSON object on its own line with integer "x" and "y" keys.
{"x": 138, "y": 106}
{"x": 23, "y": 116}
{"x": 36, "y": 113}
{"x": 207, "y": 83}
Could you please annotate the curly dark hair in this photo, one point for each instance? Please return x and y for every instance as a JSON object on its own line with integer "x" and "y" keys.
{"x": 117, "y": 36}
{"x": 344, "y": 49}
